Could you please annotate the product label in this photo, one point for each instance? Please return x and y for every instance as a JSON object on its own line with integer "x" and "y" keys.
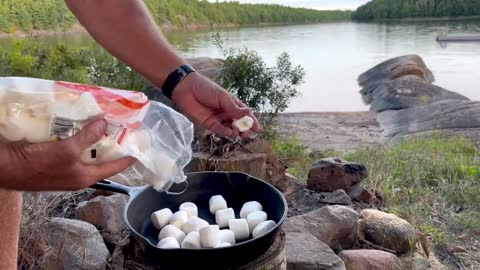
{"x": 116, "y": 131}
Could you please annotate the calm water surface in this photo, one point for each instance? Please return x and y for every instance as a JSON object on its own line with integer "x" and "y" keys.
{"x": 334, "y": 54}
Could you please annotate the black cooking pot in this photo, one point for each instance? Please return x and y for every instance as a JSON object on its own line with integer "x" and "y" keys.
{"x": 236, "y": 188}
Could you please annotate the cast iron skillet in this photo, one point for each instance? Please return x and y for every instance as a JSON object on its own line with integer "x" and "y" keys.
{"x": 236, "y": 188}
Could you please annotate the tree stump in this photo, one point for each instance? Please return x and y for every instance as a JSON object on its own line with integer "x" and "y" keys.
{"x": 129, "y": 257}
{"x": 254, "y": 164}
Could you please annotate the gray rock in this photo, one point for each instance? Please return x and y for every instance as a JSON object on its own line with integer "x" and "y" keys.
{"x": 333, "y": 225}
{"x": 305, "y": 252}
{"x": 74, "y": 244}
{"x": 361, "y": 194}
{"x": 369, "y": 259}
{"x": 447, "y": 115}
{"x": 106, "y": 213}
{"x": 416, "y": 261}
{"x": 386, "y": 230}
{"x": 303, "y": 201}
{"x": 405, "y": 93}
{"x": 337, "y": 197}
{"x": 331, "y": 174}
{"x": 408, "y": 65}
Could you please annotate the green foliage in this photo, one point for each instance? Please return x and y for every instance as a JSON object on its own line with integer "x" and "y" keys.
{"x": 28, "y": 15}
{"x": 394, "y": 9}
{"x": 267, "y": 90}
{"x": 61, "y": 62}
{"x": 434, "y": 181}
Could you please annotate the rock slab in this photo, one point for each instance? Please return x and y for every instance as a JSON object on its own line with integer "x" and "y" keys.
{"x": 331, "y": 174}
{"x": 74, "y": 244}
{"x": 305, "y": 252}
{"x": 369, "y": 259}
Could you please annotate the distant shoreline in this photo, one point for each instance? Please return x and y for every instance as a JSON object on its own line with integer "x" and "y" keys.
{"x": 422, "y": 19}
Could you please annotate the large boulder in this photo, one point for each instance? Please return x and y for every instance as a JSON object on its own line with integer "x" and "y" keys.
{"x": 105, "y": 212}
{"x": 408, "y": 65}
{"x": 386, "y": 230}
{"x": 305, "y": 252}
{"x": 74, "y": 244}
{"x": 331, "y": 174}
{"x": 369, "y": 259}
{"x": 442, "y": 115}
{"x": 333, "y": 225}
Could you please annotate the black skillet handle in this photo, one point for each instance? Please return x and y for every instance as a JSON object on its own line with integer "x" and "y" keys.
{"x": 112, "y": 186}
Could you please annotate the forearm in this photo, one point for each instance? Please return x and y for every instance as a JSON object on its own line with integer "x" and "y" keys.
{"x": 126, "y": 29}
{"x": 10, "y": 212}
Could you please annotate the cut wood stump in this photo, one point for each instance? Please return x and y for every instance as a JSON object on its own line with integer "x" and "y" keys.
{"x": 254, "y": 164}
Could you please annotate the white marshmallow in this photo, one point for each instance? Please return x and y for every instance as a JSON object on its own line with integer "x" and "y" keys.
{"x": 227, "y": 236}
{"x": 239, "y": 227}
{"x": 179, "y": 218}
{"x": 223, "y": 245}
{"x": 209, "y": 236}
{"x": 172, "y": 231}
{"x": 250, "y": 207}
{"x": 263, "y": 228}
{"x": 243, "y": 124}
{"x": 190, "y": 208}
{"x": 223, "y": 216}
{"x": 255, "y": 218}
{"x": 168, "y": 243}
{"x": 192, "y": 241}
{"x": 194, "y": 224}
{"x": 216, "y": 203}
{"x": 87, "y": 104}
{"x": 164, "y": 170}
{"x": 161, "y": 218}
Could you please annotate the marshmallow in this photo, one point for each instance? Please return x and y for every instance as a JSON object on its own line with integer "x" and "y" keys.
{"x": 227, "y": 236}
{"x": 223, "y": 216}
{"x": 194, "y": 224}
{"x": 221, "y": 245}
{"x": 263, "y": 228}
{"x": 216, "y": 203}
{"x": 192, "y": 241}
{"x": 255, "y": 218}
{"x": 190, "y": 208}
{"x": 250, "y": 207}
{"x": 239, "y": 227}
{"x": 243, "y": 124}
{"x": 87, "y": 104}
{"x": 168, "y": 243}
{"x": 209, "y": 236}
{"x": 161, "y": 218}
{"x": 179, "y": 219}
{"x": 172, "y": 231}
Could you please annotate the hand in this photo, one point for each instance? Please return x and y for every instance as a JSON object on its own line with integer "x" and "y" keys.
{"x": 56, "y": 165}
{"x": 209, "y": 105}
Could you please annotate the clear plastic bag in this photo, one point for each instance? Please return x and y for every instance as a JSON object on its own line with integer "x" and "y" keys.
{"x": 35, "y": 110}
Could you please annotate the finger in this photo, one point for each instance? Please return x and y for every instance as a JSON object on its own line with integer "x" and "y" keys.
{"x": 217, "y": 127}
{"x": 110, "y": 168}
{"x": 256, "y": 124}
{"x": 89, "y": 135}
{"x": 229, "y": 105}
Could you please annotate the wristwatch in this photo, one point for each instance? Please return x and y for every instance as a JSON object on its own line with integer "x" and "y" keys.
{"x": 175, "y": 78}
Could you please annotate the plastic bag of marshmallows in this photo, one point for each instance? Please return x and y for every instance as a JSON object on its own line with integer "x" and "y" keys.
{"x": 34, "y": 110}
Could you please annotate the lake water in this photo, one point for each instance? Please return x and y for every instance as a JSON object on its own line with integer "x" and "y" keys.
{"x": 334, "y": 54}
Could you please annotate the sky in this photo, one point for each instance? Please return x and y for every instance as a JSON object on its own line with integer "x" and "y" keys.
{"x": 315, "y": 4}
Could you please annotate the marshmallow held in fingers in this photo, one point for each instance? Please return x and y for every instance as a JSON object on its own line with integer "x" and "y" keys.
{"x": 179, "y": 218}
{"x": 223, "y": 245}
{"x": 192, "y": 241}
{"x": 190, "y": 208}
{"x": 172, "y": 231}
{"x": 255, "y": 218}
{"x": 250, "y": 207}
{"x": 216, "y": 203}
{"x": 239, "y": 227}
{"x": 161, "y": 218}
{"x": 209, "y": 236}
{"x": 263, "y": 228}
{"x": 168, "y": 243}
{"x": 243, "y": 124}
{"x": 223, "y": 216}
{"x": 227, "y": 236}
{"x": 194, "y": 224}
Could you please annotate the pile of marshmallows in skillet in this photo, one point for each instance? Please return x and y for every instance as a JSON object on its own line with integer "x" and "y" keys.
{"x": 186, "y": 230}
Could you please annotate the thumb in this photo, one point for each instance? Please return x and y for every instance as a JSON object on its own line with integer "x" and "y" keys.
{"x": 230, "y": 106}
{"x": 88, "y": 135}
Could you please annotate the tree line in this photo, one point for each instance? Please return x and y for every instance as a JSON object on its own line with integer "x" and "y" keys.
{"x": 28, "y": 15}
{"x": 395, "y": 9}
